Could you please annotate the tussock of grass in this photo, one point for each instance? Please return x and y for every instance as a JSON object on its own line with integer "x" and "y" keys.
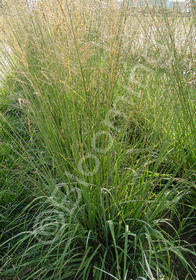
{"x": 98, "y": 141}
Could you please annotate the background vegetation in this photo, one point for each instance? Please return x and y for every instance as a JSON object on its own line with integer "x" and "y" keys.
{"x": 97, "y": 142}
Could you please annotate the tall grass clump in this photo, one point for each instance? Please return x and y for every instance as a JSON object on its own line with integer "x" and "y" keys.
{"x": 107, "y": 95}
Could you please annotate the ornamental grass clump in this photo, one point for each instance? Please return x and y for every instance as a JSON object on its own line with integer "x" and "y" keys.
{"x": 109, "y": 142}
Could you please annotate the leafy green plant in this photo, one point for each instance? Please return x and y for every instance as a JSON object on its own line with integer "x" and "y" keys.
{"x": 107, "y": 142}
